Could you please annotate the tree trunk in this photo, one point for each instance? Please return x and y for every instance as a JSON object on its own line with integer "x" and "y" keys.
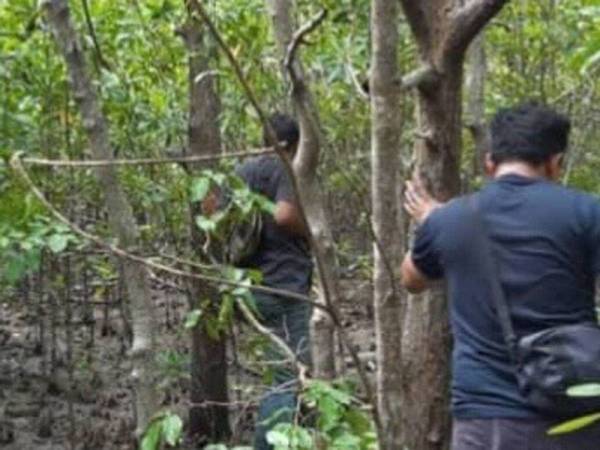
{"x": 385, "y": 159}
{"x": 209, "y": 416}
{"x": 121, "y": 220}
{"x": 443, "y": 30}
{"x": 311, "y": 199}
{"x": 475, "y": 101}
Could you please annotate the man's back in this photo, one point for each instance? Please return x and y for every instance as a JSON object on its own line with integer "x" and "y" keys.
{"x": 545, "y": 239}
{"x": 283, "y": 257}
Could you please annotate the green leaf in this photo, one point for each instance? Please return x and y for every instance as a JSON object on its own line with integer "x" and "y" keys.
{"x": 206, "y": 224}
{"x": 278, "y": 439}
{"x": 199, "y": 189}
{"x": 215, "y": 447}
{"x": 192, "y": 318}
{"x": 584, "y": 390}
{"x": 151, "y": 438}
{"x": 590, "y": 62}
{"x": 171, "y": 428}
{"x": 58, "y": 242}
{"x": 574, "y": 425}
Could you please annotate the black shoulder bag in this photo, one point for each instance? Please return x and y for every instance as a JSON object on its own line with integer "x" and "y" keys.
{"x": 548, "y": 362}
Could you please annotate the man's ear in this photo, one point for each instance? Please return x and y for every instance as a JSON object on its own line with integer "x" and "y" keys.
{"x": 489, "y": 165}
{"x": 553, "y": 166}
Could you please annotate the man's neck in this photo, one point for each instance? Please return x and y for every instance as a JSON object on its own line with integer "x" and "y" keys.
{"x": 519, "y": 168}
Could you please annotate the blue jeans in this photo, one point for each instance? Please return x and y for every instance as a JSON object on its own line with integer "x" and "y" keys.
{"x": 288, "y": 319}
{"x": 519, "y": 434}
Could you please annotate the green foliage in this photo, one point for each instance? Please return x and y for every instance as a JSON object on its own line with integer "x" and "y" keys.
{"x": 21, "y": 247}
{"x": 165, "y": 427}
{"x": 340, "y": 422}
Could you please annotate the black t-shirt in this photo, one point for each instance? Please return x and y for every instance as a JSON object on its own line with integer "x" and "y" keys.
{"x": 546, "y": 242}
{"x": 283, "y": 258}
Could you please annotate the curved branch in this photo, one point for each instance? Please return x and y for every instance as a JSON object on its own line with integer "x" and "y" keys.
{"x": 418, "y": 22}
{"x": 298, "y": 38}
{"x": 301, "y": 367}
{"x": 16, "y": 164}
{"x": 467, "y": 22}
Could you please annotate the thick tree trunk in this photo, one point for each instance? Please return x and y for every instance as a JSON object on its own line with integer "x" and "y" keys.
{"x": 121, "y": 220}
{"x": 426, "y": 339}
{"x": 305, "y": 171}
{"x": 443, "y": 30}
{"x": 385, "y": 159}
{"x": 209, "y": 419}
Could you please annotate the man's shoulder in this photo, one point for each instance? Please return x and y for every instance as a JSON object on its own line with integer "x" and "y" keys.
{"x": 260, "y": 164}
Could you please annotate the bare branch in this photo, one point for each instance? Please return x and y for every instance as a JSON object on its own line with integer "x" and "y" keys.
{"x": 467, "y": 22}
{"x": 298, "y": 38}
{"x": 424, "y": 77}
{"x": 90, "y": 25}
{"x": 302, "y": 368}
{"x": 145, "y": 161}
{"x": 203, "y": 75}
{"x": 361, "y": 89}
{"x": 418, "y": 22}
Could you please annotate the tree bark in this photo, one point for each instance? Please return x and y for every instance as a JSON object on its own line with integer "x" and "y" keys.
{"x": 385, "y": 159}
{"x": 305, "y": 170}
{"x": 209, "y": 416}
{"x": 443, "y": 30}
{"x": 475, "y": 101}
{"x": 120, "y": 216}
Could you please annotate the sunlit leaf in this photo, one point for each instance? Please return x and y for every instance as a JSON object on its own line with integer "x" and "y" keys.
{"x": 192, "y": 318}
{"x": 171, "y": 428}
{"x": 151, "y": 439}
{"x": 584, "y": 390}
{"x": 575, "y": 424}
{"x": 58, "y": 242}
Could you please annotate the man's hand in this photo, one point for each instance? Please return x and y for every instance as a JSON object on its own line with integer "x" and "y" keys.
{"x": 418, "y": 202}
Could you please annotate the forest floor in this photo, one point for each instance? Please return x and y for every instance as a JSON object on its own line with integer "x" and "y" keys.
{"x": 48, "y": 404}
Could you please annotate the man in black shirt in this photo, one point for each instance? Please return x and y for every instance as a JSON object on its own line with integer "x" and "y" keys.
{"x": 284, "y": 259}
{"x": 546, "y": 241}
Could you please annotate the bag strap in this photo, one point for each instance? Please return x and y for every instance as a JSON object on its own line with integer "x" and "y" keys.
{"x": 490, "y": 269}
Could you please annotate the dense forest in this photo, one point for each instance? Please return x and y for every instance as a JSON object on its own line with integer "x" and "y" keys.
{"x": 118, "y": 329}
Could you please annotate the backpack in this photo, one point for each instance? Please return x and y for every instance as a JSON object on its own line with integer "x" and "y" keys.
{"x": 237, "y": 234}
{"x": 243, "y": 239}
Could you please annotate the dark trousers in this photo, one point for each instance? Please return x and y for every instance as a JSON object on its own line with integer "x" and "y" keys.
{"x": 289, "y": 320}
{"x": 519, "y": 434}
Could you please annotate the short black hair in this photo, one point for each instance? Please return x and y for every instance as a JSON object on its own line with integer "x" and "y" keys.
{"x": 529, "y": 132}
{"x": 286, "y": 129}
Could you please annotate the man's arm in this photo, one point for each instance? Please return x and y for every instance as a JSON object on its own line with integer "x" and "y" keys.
{"x": 597, "y": 292}
{"x": 420, "y": 204}
{"x": 287, "y": 215}
{"x": 411, "y": 278}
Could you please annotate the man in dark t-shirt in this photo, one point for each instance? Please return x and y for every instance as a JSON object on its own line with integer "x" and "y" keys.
{"x": 546, "y": 241}
{"x": 284, "y": 259}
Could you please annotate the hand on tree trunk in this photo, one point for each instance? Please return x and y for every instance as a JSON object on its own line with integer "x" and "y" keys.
{"x": 418, "y": 202}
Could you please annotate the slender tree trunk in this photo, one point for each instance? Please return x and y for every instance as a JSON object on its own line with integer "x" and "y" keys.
{"x": 385, "y": 159}
{"x": 209, "y": 415}
{"x": 305, "y": 171}
{"x": 475, "y": 101}
{"x": 443, "y": 30}
{"x": 120, "y": 215}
